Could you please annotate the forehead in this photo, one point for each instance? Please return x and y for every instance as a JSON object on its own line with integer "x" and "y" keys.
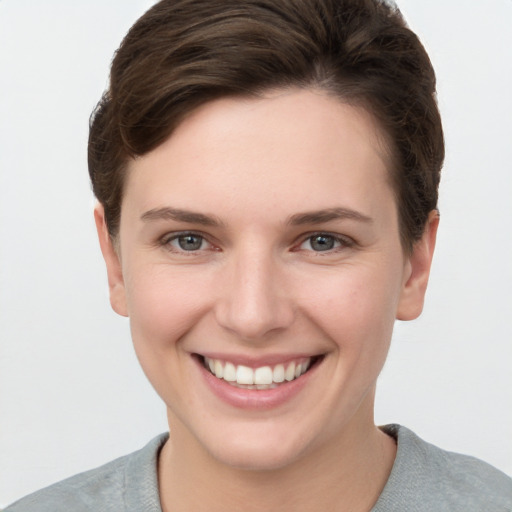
{"x": 287, "y": 148}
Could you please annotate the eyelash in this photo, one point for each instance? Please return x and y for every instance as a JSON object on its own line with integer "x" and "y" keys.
{"x": 171, "y": 237}
{"x": 342, "y": 242}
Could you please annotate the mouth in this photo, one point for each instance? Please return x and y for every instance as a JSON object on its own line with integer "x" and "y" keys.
{"x": 261, "y": 377}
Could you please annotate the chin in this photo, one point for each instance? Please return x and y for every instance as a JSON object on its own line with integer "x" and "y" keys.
{"x": 255, "y": 458}
{"x": 259, "y": 450}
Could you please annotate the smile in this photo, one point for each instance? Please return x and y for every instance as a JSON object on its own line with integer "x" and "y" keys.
{"x": 263, "y": 377}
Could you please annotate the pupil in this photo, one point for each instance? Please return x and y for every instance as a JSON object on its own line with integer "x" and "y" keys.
{"x": 322, "y": 243}
{"x": 190, "y": 242}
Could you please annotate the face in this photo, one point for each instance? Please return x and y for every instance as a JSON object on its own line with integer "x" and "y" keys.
{"x": 259, "y": 261}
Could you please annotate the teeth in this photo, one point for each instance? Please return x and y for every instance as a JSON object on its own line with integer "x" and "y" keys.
{"x": 244, "y": 375}
{"x": 229, "y": 372}
{"x": 278, "y": 373}
{"x": 264, "y": 377}
{"x": 289, "y": 374}
{"x": 219, "y": 369}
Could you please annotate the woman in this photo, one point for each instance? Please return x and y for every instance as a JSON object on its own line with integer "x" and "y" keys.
{"x": 267, "y": 179}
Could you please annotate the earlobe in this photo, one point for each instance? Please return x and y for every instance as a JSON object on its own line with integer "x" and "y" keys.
{"x": 112, "y": 262}
{"x": 418, "y": 265}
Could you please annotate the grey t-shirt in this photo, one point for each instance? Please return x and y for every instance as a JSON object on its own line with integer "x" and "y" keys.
{"x": 423, "y": 479}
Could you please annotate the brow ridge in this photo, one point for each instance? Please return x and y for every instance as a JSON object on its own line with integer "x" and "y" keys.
{"x": 326, "y": 215}
{"x": 312, "y": 217}
{"x": 180, "y": 215}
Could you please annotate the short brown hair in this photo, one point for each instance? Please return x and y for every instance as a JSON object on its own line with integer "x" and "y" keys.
{"x": 183, "y": 53}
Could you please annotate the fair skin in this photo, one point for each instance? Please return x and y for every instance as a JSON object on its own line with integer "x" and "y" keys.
{"x": 264, "y": 233}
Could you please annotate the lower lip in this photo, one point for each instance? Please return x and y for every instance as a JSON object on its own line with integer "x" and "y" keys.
{"x": 255, "y": 398}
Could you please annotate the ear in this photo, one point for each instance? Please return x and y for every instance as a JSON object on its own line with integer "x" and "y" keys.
{"x": 113, "y": 263}
{"x": 417, "y": 271}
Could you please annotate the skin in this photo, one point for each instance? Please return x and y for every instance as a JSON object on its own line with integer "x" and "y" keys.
{"x": 257, "y": 288}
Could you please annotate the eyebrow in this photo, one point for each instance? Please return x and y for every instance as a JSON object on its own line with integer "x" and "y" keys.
{"x": 168, "y": 213}
{"x": 313, "y": 217}
{"x": 316, "y": 217}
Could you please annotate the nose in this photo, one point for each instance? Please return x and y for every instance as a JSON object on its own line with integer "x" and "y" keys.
{"x": 253, "y": 301}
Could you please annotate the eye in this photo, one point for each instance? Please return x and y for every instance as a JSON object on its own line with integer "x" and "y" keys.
{"x": 323, "y": 242}
{"x": 188, "y": 242}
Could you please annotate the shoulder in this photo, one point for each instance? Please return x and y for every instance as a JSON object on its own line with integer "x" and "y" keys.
{"x": 426, "y": 478}
{"x": 119, "y": 485}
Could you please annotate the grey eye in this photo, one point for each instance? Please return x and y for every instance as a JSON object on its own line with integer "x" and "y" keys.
{"x": 322, "y": 242}
{"x": 190, "y": 242}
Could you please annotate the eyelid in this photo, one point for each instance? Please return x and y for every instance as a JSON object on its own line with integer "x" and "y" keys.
{"x": 166, "y": 239}
{"x": 344, "y": 240}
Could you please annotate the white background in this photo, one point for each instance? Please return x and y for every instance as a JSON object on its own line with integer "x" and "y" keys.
{"x": 71, "y": 393}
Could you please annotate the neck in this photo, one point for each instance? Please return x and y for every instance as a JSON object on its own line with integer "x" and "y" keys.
{"x": 346, "y": 473}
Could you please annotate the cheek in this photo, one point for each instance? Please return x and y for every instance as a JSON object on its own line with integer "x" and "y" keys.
{"x": 162, "y": 306}
{"x": 355, "y": 307}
